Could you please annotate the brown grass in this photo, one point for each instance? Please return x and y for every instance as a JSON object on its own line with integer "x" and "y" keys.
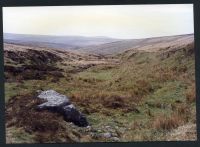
{"x": 101, "y": 102}
{"x": 143, "y": 87}
{"x": 167, "y": 123}
{"x": 191, "y": 94}
{"x": 164, "y": 74}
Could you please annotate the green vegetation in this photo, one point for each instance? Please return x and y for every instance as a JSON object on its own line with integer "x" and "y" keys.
{"x": 143, "y": 97}
{"x": 18, "y": 135}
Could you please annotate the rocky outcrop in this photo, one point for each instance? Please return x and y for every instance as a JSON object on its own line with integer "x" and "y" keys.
{"x": 60, "y": 103}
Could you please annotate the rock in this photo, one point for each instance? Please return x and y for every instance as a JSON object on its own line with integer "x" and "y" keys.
{"x": 71, "y": 114}
{"x": 53, "y": 99}
{"x": 114, "y": 134}
{"x": 60, "y": 103}
{"x": 106, "y": 135}
{"x": 95, "y": 135}
{"x": 115, "y": 139}
{"x": 107, "y": 127}
{"x": 89, "y": 128}
{"x": 99, "y": 131}
{"x": 121, "y": 130}
{"x": 116, "y": 127}
{"x": 111, "y": 130}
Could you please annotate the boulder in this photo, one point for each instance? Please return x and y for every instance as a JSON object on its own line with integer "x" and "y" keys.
{"x": 73, "y": 115}
{"x": 52, "y": 100}
{"x": 57, "y": 102}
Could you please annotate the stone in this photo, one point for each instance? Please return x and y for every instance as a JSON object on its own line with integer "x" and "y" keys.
{"x": 88, "y": 129}
{"x": 115, "y": 139}
{"x": 106, "y": 135}
{"x": 53, "y": 99}
{"x": 114, "y": 134}
{"x": 73, "y": 115}
{"x": 107, "y": 127}
{"x": 99, "y": 131}
{"x": 60, "y": 103}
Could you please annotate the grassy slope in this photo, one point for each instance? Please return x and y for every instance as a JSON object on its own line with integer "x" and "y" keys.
{"x": 142, "y": 98}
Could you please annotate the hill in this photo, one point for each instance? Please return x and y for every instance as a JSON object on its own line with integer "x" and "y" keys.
{"x": 148, "y": 44}
{"x": 144, "y": 93}
{"x": 62, "y": 42}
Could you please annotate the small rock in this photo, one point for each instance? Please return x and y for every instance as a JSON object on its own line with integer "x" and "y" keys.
{"x": 115, "y": 139}
{"x": 95, "y": 135}
{"x": 121, "y": 130}
{"x": 107, "y": 135}
{"x": 99, "y": 131}
{"x": 114, "y": 135}
{"x": 107, "y": 127}
{"x": 89, "y": 127}
{"x": 112, "y": 130}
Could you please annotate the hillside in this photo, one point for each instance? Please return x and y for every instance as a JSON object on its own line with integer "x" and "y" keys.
{"x": 63, "y": 42}
{"x": 148, "y": 44}
{"x": 140, "y": 93}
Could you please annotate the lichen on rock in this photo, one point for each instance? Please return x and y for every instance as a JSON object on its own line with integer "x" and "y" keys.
{"x": 57, "y": 102}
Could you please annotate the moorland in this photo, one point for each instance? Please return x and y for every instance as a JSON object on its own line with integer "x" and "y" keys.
{"x": 129, "y": 90}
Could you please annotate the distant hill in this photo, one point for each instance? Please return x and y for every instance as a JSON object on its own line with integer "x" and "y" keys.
{"x": 63, "y": 42}
{"x": 99, "y": 45}
{"x": 147, "y": 44}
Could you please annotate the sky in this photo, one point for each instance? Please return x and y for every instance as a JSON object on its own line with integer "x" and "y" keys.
{"x": 116, "y": 21}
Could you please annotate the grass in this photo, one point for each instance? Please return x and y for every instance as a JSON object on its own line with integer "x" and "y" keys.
{"x": 142, "y": 98}
{"x": 18, "y": 135}
{"x": 169, "y": 93}
{"x": 10, "y": 90}
{"x": 102, "y": 75}
{"x": 190, "y": 94}
{"x": 164, "y": 122}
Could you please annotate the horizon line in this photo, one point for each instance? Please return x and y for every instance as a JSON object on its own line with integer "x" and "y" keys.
{"x": 99, "y": 36}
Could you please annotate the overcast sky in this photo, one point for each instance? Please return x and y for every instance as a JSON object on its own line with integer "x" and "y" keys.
{"x": 127, "y": 21}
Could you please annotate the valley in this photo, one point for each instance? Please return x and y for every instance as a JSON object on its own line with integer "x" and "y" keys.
{"x": 129, "y": 90}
